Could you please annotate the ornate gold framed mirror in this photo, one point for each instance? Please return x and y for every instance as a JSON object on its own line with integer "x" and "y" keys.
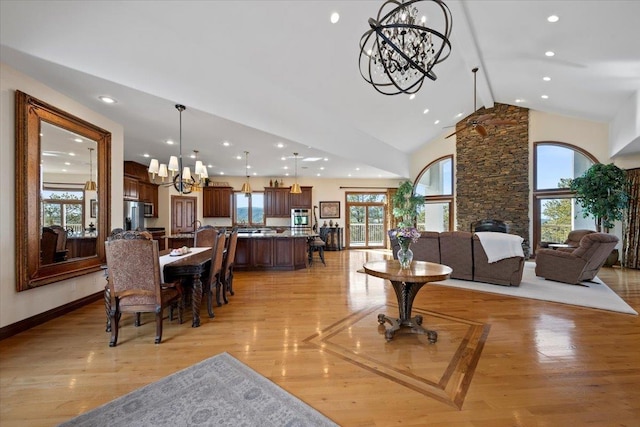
{"x": 62, "y": 194}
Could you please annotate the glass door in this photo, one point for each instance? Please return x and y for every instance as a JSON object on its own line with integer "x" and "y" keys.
{"x": 366, "y": 221}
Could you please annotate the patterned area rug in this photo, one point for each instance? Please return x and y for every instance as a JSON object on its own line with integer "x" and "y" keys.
{"x": 219, "y": 391}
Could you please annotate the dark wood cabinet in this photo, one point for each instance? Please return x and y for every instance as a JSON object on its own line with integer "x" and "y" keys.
{"x": 130, "y": 188}
{"x": 271, "y": 253}
{"x": 217, "y": 202}
{"x": 332, "y": 237}
{"x": 276, "y": 202}
{"x": 303, "y": 200}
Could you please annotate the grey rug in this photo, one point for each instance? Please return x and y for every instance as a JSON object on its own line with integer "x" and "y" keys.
{"x": 220, "y": 391}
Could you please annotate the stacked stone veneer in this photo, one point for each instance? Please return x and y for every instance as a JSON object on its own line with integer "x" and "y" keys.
{"x": 492, "y": 173}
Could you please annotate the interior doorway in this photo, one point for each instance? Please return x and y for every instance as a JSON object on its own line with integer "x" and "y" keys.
{"x": 183, "y": 214}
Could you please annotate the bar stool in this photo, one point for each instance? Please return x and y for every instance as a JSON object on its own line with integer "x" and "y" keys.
{"x": 316, "y": 244}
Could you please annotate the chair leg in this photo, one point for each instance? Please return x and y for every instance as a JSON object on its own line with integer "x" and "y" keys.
{"x": 321, "y": 252}
{"x": 114, "y": 316}
{"x": 107, "y": 306}
{"x": 159, "y": 326}
{"x": 229, "y": 282}
{"x": 220, "y": 289}
{"x": 209, "y": 291}
{"x": 137, "y": 322}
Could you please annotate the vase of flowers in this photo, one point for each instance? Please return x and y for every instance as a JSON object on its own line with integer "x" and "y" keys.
{"x": 405, "y": 236}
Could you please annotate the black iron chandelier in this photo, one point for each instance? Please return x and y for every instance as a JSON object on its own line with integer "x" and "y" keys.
{"x": 399, "y": 51}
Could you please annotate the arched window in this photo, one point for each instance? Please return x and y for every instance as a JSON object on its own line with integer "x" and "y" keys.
{"x": 435, "y": 182}
{"x": 555, "y": 212}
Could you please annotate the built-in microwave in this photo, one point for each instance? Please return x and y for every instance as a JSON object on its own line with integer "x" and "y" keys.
{"x": 148, "y": 210}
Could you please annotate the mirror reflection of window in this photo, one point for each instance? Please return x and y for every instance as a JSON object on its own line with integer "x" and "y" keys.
{"x": 68, "y": 164}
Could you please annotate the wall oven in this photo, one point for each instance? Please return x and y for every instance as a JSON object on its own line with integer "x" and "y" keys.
{"x": 148, "y": 210}
{"x": 300, "y": 218}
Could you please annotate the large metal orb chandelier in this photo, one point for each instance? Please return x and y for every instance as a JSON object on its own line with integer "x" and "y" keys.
{"x": 399, "y": 50}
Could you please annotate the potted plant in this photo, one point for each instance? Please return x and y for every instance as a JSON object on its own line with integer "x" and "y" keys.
{"x": 602, "y": 193}
{"x": 405, "y": 205}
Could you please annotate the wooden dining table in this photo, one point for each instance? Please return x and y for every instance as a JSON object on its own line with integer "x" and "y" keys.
{"x": 190, "y": 269}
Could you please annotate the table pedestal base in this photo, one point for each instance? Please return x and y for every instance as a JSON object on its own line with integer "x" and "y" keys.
{"x": 415, "y": 323}
{"x": 405, "y": 293}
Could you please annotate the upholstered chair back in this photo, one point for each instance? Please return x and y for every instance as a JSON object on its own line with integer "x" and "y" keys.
{"x": 205, "y": 236}
{"x": 574, "y": 237}
{"x": 134, "y": 272}
{"x": 48, "y": 245}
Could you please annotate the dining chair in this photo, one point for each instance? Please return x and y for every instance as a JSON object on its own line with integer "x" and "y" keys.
{"x": 228, "y": 263}
{"x": 205, "y": 236}
{"x": 134, "y": 281}
{"x": 61, "y": 243}
{"x": 213, "y": 281}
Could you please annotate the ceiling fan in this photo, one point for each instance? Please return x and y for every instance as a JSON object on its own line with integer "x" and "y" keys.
{"x": 479, "y": 123}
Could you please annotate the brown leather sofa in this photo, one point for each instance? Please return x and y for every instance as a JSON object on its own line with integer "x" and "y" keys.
{"x": 463, "y": 252}
{"x": 579, "y": 264}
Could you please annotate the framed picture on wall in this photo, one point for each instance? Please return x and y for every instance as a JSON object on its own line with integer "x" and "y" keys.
{"x": 93, "y": 208}
{"x": 329, "y": 209}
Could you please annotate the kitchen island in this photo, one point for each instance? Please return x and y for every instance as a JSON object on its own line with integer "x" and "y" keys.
{"x": 271, "y": 251}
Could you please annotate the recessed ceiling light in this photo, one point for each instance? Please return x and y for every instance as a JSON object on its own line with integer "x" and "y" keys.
{"x": 426, "y": 110}
{"x": 321, "y": 168}
{"x": 286, "y": 174}
{"x": 459, "y": 115}
{"x": 519, "y": 100}
{"x": 169, "y": 141}
{"x": 283, "y": 158}
{"x": 72, "y": 154}
{"x": 549, "y": 53}
{"x": 255, "y": 173}
{"x": 335, "y": 17}
{"x": 286, "y": 167}
{"x": 357, "y": 169}
{"x": 553, "y": 18}
{"x": 64, "y": 170}
{"x": 326, "y": 159}
{"x": 226, "y": 143}
{"x": 145, "y": 155}
{"x": 412, "y": 96}
{"x": 545, "y": 97}
{"x": 546, "y": 78}
{"x": 78, "y": 139}
{"x": 436, "y": 122}
{"x": 280, "y": 145}
{"x": 67, "y": 164}
{"x": 348, "y": 174}
{"x": 221, "y": 173}
{"x": 239, "y": 157}
{"x": 317, "y": 174}
{"x": 107, "y": 99}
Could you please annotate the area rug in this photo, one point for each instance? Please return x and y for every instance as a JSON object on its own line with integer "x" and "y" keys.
{"x": 594, "y": 294}
{"x": 219, "y": 391}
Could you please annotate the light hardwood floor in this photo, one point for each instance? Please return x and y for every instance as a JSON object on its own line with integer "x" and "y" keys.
{"x": 313, "y": 332}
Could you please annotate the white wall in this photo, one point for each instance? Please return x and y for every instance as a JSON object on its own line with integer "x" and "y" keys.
{"x": 16, "y": 306}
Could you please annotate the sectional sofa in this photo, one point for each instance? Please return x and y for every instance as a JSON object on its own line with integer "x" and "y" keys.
{"x": 464, "y": 253}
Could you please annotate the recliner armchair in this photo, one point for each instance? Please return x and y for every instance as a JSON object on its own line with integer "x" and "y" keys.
{"x": 579, "y": 264}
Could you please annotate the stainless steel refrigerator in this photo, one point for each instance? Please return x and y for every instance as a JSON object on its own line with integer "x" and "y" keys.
{"x": 133, "y": 215}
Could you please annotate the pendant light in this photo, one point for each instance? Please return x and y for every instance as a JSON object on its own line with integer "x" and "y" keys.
{"x": 246, "y": 187}
{"x": 295, "y": 188}
{"x": 91, "y": 184}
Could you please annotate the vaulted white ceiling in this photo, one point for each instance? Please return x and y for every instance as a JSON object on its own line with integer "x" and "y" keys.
{"x": 259, "y": 73}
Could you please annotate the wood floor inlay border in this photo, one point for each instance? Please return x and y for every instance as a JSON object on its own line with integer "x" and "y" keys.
{"x": 442, "y": 371}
